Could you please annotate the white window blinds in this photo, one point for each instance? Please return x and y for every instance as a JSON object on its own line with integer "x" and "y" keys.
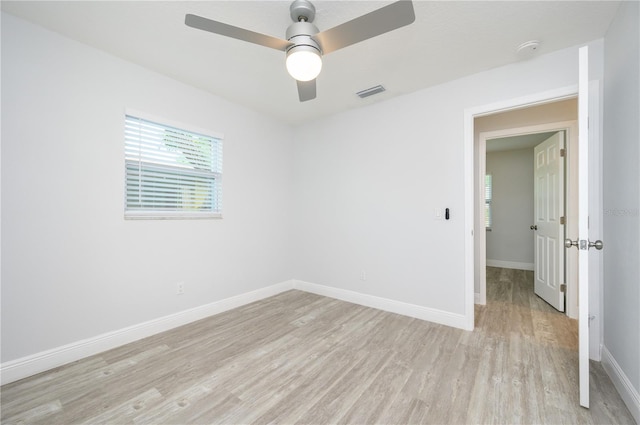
{"x": 170, "y": 172}
{"x": 488, "y": 193}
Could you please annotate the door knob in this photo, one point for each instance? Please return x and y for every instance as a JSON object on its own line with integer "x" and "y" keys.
{"x": 597, "y": 245}
{"x": 533, "y": 227}
{"x": 568, "y": 243}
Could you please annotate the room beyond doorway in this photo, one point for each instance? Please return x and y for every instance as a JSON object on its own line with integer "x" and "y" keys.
{"x": 524, "y": 209}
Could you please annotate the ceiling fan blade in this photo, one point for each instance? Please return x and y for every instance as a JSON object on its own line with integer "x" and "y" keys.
{"x": 227, "y": 30}
{"x": 388, "y": 18}
{"x": 306, "y": 90}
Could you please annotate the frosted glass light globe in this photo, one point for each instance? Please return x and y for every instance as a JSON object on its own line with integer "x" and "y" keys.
{"x": 304, "y": 63}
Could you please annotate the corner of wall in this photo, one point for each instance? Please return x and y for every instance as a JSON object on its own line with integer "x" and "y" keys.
{"x": 628, "y": 393}
{"x": 459, "y": 321}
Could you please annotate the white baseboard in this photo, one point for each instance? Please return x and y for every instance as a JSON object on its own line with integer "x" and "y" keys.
{"x": 40, "y": 362}
{"x": 510, "y": 265}
{"x": 30, "y": 365}
{"x": 393, "y": 306}
{"x": 629, "y": 395}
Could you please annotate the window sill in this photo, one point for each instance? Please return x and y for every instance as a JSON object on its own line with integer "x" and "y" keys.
{"x": 170, "y": 216}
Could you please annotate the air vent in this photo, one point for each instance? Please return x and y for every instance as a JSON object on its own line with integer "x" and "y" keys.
{"x": 370, "y": 91}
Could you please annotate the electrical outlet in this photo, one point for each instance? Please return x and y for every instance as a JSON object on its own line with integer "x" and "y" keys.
{"x": 363, "y": 275}
{"x": 180, "y": 288}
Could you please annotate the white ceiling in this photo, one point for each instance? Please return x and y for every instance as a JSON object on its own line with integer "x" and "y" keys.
{"x": 449, "y": 40}
{"x": 526, "y": 141}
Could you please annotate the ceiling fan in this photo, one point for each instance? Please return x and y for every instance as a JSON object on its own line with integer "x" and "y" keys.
{"x": 305, "y": 45}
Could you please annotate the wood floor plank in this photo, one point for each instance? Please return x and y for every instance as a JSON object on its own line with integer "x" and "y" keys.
{"x": 124, "y": 412}
{"x": 449, "y": 404}
{"x": 318, "y": 380}
{"x": 35, "y": 391}
{"x": 524, "y": 404}
{"x": 35, "y": 414}
{"x": 416, "y": 413}
{"x": 377, "y": 397}
{"x": 170, "y": 408}
{"x": 344, "y": 393}
{"x": 487, "y": 395}
{"x": 207, "y": 410}
{"x": 303, "y": 358}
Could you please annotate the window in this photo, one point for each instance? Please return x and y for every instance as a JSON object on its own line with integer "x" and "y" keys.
{"x": 171, "y": 172}
{"x": 488, "y": 189}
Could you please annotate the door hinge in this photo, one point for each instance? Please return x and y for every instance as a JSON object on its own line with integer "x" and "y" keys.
{"x": 563, "y": 288}
{"x": 563, "y": 152}
{"x": 563, "y": 220}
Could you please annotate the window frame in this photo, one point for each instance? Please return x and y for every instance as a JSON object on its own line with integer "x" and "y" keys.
{"x": 216, "y": 176}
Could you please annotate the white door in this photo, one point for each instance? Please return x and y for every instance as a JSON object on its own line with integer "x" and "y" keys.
{"x": 548, "y": 195}
{"x": 582, "y": 242}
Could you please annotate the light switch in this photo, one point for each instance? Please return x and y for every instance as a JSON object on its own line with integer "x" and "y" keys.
{"x": 438, "y": 214}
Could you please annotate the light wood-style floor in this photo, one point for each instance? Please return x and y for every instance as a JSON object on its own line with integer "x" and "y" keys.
{"x": 303, "y": 358}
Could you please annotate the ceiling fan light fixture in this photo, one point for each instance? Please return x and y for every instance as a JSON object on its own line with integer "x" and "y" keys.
{"x": 304, "y": 63}
{"x": 304, "y": 44}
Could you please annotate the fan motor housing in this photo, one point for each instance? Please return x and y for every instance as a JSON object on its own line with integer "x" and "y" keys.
{"x": 300, "y": 34}
{"x": 302, "y": 10}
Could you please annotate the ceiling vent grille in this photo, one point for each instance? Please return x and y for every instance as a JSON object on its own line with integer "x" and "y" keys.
{"x": 370, "y": 91}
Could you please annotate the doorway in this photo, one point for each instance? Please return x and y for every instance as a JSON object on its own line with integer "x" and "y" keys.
{"x": 516, "y": 226}
{"x": 524, "y": 206}
{"x": 493, "y": 113}
{"x": 549, "y": 117}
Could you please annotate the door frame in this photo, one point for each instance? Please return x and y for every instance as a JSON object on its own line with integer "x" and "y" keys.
{"x": 470, "y": 171}
{"x": 570, "y": 200}
{"x": 595, "y": 197}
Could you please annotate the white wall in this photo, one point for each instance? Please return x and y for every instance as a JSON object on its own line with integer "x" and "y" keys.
{"x": 621, "y": 174}
{"x": 72, "y": 267}
{"x": 510, "y": 239}
{"x": 368, "y": 182}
